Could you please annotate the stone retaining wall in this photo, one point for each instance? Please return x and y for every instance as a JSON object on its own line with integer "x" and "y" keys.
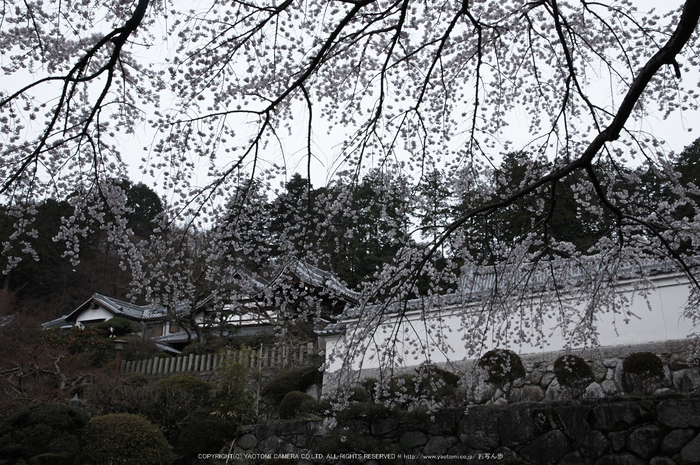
{"x": 625, "y": 431}
{"x": 540, "y": 383}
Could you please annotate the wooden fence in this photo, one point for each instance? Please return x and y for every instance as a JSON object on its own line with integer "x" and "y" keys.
{"x": 281, "y": 356}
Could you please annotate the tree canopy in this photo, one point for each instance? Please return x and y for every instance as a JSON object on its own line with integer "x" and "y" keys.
{"x": 413, "y": 106}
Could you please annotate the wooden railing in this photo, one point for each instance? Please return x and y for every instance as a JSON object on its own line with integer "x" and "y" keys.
{"x": 277, "y": 356}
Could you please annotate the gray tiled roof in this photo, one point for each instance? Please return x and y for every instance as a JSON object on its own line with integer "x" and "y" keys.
{"x": 147, "y": 312}
{"x": 482, "y": 283}
{"x": 318, "y": 277}
{"x": 57, "y": 323}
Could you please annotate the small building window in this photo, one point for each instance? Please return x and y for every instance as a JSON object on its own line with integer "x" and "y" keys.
{"x": 157, "y": 331}
{"x": 174, "y": 327}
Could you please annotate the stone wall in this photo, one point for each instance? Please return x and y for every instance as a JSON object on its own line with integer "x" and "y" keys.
{"x": 659, "y": 430}
{"x": 540, "y": 383}
{"x": 611, "y": 421}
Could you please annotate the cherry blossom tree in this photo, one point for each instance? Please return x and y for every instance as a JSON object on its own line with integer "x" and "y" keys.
{"x": 231, "y": 93}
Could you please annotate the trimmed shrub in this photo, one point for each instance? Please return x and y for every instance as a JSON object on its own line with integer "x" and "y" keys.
{"x": 139, "y": 348}
{"x": 370, "y": 386}
{"x": 645, "y": 365}
{"x": 294, "y": 380}
{"x": 117, "y": 326}
{"x": 358, "y": 394}
{"x": 196, "y": 389}
{"x": 124, "y": 439}
{"x": 573, "y": 372}
{"x": 210, "y": 346}
{"x": 364, "y": 412}
{"x": 203, "y": 433}
{"x": 134, "y": 394}
{"x": 294, "y": 404}
{"x": 76, "y": 340}
{"x": 135, "y": 379}
{"x": 502, "y": 366}
{"x": 641, "y": 370}
{"x": 403, "y": 385}
{"x": 436, "y": 383}
{"x": 176, "y": 398}
{"x": 42, "y": 434}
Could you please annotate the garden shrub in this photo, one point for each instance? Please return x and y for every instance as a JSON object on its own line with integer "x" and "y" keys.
{"x": 403, "y": 386}
{"x": 139, "y": 348}
{"x": 233, "y": 400}
{"x": 135, "y": 379}
{"x": 210, "y": 346}
{"x": 641, "y": 369}
{"x": 645, "y": 365}
{"x": 176, "y": 398}
{"x": 76, "y": 340}
{"x": 358, "y": 394}
{"x": 502, "y": 366}
{"x": 360, "y": 419}
{"x": 124, "y": 439}
{"x": 573, "y": 372}
{"x": 366, "y": 412}
{"x": 294, "y": 404}
{"x": 436, "y": 383}
{"x": 134, "y": 394}
{"x": 195, "y": 389}
{"x": 294, "y": 380}
{"x": 119, "y": 327}
{"x": 370, "y": 385}
{"x": 42, "y": 434}
{"x": 202, "y": 434}
{"x": 82, "y": 340}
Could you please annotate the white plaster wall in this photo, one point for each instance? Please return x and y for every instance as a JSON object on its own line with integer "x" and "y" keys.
{"x": 94, "y": 314}
{"x": 658, "y": 320}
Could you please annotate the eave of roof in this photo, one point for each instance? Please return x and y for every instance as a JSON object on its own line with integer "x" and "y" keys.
{"x": 483, "y": 285}
{"x": 147, "y": 312}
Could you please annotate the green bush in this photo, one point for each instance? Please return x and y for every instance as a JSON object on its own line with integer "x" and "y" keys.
{"x": 76, "y": 340}
{"x": 135, "y": 379}
{"x": 403, "y": 385}
{"x": 176, "y": 398}
{"x": 436, "y": 383}
{"x": 119, "y": 327}
{"x": 202, "y": 434}
{"x": 138, "y": 348}
{"x": 134, "y": 394}
{"x": 82, "y": 340}
{"x": 233, "y": 400}
{"x": 359, "y": 394}
{"x": 573, "y": 372}
{"x": 364, "y": 412}
{"x": 502, "y": 366}
{"x": 370, "y": 385}
{"x": 124, "y": 439}
{"x": 294, "y": 380}
{"x": 195, "y": 389}
{"x": 42, "y": 434}
{"x": 210, "y": 346}
{"x": 294, "y": 404}
{"x": 645, "y": 365}
{"x": 641, "y": 370}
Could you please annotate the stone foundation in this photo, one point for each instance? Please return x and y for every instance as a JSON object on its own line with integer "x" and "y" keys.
{"x": 635, "y": 431}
